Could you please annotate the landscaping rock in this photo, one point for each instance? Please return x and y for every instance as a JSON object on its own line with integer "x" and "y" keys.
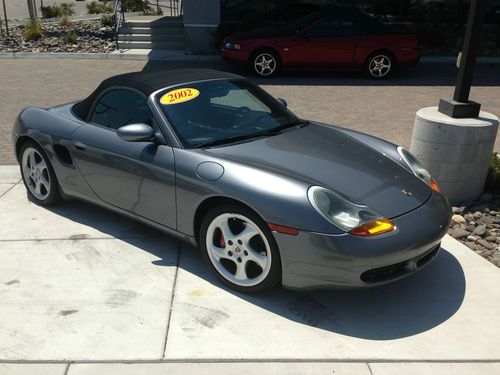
{"x": 480, "y": 228}
{"x": 459, "y": 233}
{"x": 91, "y": 38}
{"x": 459, "y": 219}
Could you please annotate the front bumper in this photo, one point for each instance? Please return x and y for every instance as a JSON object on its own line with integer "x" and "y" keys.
{"x": 234, "y": 56}
{"x": 313, "y": 260}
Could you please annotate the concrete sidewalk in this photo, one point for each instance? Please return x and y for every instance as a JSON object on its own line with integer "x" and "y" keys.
{"x": 85, "y": 291}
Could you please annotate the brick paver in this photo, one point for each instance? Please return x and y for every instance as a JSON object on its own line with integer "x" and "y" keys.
{"x": 385, "y": 109}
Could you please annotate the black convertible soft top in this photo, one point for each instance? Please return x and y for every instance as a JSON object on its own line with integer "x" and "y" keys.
{"x": 147, "y": 83}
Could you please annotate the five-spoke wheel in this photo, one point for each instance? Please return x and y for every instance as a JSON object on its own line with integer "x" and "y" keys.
{"x": 379, "y": 65}
{"x": 240, "y": 248}
{"x": 38, "y": 176}
{"x": 265, "y": 63}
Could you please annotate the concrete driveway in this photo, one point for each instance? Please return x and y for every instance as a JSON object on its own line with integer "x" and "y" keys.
{"x": 85, "y": 291}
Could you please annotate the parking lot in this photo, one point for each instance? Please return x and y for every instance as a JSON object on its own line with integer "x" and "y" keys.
{"x": 385, "y": 109}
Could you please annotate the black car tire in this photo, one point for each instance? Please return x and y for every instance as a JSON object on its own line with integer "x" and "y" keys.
{"x": 253, "y": 221}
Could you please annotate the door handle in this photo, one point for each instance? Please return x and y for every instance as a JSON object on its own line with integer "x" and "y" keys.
{"x": 79, "y": 145}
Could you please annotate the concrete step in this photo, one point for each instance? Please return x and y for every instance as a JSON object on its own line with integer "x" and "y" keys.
{"x": 150, "y": 45}
{"x": 154, "y": 24}
{"x": 151, "y": 38}
{"x": 149, "y": 30}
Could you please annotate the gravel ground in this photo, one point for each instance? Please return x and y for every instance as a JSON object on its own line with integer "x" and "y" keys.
{"x": 92, "y": 37}
{"x": 478, "y": 227}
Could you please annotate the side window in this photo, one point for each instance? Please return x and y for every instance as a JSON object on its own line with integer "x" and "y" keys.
{"x": 330, "y": 28}
{"x": 122, "y": 107}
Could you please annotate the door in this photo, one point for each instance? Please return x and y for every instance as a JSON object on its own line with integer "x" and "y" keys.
{"x": 136, "y": 176}
{"x": 326, "y": 44}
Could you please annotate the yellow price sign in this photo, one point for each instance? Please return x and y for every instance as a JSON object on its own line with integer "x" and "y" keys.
{"x": 179, "y": 96}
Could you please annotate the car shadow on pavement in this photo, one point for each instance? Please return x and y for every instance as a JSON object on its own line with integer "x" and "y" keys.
{"x": 404, "y": 308}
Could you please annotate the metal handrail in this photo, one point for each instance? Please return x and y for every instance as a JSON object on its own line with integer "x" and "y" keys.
{"x": 118, "y": 19}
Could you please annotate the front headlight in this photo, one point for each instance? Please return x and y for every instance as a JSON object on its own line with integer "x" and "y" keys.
{"x": 235, "y": 46}
{"x": 354, "y": 218}
{"x": 417, "y": 169}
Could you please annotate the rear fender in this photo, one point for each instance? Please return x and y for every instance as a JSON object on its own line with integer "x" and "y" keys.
{"x": 52, "y": 132}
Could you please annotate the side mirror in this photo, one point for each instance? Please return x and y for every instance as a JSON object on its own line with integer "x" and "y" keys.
{"x": 136, "y": 133}
{"x": 282, "y": 102}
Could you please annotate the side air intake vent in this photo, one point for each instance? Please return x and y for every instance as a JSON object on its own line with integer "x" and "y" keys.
{"x": 63, "y": 154}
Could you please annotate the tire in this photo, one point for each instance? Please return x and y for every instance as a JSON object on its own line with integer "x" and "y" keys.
{"x": 240, "y": 249}
{"x": 38, "y": 175}
{"x": 265, "y": 63}
{"x": 380, "y": 65}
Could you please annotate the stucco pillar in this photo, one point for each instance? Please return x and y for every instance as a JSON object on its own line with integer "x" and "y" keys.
{"x": 455, "y": 151}
{"x": 201, "y": 18}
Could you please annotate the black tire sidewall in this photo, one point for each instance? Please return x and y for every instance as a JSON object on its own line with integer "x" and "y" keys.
{"x": 273, "y": 278}
{"x": 257, "y": 54}
{"x": 54, "y": 195}
{"x": 372, "y": 56}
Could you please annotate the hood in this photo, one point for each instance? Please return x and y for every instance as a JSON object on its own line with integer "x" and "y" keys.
{"x": 324, "y": 156}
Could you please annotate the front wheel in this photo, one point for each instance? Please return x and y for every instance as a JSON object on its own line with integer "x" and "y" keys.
{"x": 241, "y": 250}
{"x": 265, "y": 63}
{"x": 379, "y": 65}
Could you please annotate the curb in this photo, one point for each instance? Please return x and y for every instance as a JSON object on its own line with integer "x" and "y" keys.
{"x": 453, "y": 60}
{"x": 108, "y": 56}
{"x": 165, "y": 55}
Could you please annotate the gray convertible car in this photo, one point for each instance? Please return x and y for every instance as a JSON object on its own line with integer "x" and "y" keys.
{"x": 216, "y": 161}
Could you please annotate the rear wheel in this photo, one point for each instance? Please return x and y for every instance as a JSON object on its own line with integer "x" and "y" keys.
{"x": 38, "y": 175}
{"x": 265, "y": 63}
{"x": 241, "y": 250}
{"x": 380, "y": 65}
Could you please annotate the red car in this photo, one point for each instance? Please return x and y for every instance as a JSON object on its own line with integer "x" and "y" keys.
{"x": 335, "y": 39}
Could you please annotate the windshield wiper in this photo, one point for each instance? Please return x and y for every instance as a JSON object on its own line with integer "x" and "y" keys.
{"x": 299, "y": 123}
{"x": 237, "y": 138}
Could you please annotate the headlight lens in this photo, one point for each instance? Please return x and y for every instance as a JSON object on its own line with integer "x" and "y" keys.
{"x": 417, "y": 168}
{"x": 351, "y": 217}
{"x": 235, "y": 46}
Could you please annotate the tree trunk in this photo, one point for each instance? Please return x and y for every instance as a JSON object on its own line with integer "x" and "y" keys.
{"x": 31, "y": 10}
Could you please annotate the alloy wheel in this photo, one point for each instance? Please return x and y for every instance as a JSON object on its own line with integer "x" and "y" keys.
{"x": 36, "y": 173}
{"x": 379, "y": 66}
{"x": 238, "y": 249}
{"x": 265, "y": 64}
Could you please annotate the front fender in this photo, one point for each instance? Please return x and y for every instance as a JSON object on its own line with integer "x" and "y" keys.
{"x": 278, "y": 199}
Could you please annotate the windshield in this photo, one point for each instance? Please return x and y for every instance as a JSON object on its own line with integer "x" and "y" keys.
{"x": 218, "y": 112}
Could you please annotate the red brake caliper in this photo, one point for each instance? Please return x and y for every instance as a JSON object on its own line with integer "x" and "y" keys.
{"x": 222, "y": 243}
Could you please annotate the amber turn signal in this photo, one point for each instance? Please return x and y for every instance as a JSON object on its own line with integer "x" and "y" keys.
{"x": 434, "y": 186}
{"x": 372, "y": 228}
{"x": 283, "y": 229}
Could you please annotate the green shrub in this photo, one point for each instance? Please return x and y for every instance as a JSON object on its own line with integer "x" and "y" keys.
{"x": 70, "y": 37}
{"x": 106, "y": 20}
{"x": 64, "y": 21}
{"x": 95, "y": 7}
{"x": 493, "y": 179}
{"x": 51, "y": 11}
{"x": 67, "y": 9}
{"x": 32, "y": 30}
{"x": 137, "y": 6}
